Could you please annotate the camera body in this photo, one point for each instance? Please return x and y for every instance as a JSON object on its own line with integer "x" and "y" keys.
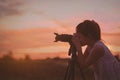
{"x": 63, "y": 37}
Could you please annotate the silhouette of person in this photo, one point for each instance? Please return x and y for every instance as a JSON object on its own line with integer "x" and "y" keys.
{"x": 97, "y": 55}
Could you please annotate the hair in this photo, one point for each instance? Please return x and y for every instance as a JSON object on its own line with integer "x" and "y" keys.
{"x": 91, "y": 28}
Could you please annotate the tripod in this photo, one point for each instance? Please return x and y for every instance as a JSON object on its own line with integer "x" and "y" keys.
{"x": 70, "y": 72}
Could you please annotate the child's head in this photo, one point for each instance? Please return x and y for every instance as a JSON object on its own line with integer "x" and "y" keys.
{"x": 89, "y": 29}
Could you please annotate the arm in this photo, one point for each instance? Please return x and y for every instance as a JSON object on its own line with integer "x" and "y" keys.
{"x": 93, "y": 56}
{"x": 87, "y": 51}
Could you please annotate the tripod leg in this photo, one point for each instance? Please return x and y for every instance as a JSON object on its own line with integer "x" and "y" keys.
{"x": 82, "y": 73}
{"x": 72, "y": 71}
{"x": 69, "y": 75}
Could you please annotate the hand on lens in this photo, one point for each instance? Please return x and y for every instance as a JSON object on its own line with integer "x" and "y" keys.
{"x": 76, "y": 41}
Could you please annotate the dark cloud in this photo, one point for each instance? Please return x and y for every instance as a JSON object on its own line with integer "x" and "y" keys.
{"x": 10, "y": 7}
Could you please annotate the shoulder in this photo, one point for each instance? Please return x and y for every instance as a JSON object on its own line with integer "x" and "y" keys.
{"x": 98, "y": 50}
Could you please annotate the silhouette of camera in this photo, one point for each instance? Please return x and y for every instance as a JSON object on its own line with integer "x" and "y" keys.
{"x": 63, "y": 37}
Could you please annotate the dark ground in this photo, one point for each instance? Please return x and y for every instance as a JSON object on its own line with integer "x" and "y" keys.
{"x": 48, "y": 69}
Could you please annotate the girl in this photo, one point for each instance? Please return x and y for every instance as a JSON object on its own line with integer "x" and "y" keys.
{"x": 105, "y": 65}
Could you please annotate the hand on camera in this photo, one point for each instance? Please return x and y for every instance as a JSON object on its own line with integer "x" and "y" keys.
{"x": 76, "y": 41}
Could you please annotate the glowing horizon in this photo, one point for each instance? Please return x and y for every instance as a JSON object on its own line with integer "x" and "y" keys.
{"x": 37, "y": 41}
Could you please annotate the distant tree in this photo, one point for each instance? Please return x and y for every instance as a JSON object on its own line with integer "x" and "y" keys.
{"x": 27, "y": 57}
{"x": 8, "y": 57}
{"x": 57, "y": 58}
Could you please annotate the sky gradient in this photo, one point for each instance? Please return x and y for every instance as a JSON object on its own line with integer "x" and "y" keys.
{"x": 27, "y": 26}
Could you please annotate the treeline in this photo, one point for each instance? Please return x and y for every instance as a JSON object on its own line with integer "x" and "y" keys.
{"x": 9, "y": 57}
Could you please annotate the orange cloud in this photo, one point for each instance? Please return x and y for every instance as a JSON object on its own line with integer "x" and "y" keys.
{"x": 29, "y": 38}
{"x": 111, "y": 38}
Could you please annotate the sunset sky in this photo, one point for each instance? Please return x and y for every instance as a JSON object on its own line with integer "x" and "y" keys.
{"x": 27, "y": 26}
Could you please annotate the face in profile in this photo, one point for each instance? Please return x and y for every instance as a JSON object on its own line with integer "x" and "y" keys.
{"x": 82, "y": 39}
